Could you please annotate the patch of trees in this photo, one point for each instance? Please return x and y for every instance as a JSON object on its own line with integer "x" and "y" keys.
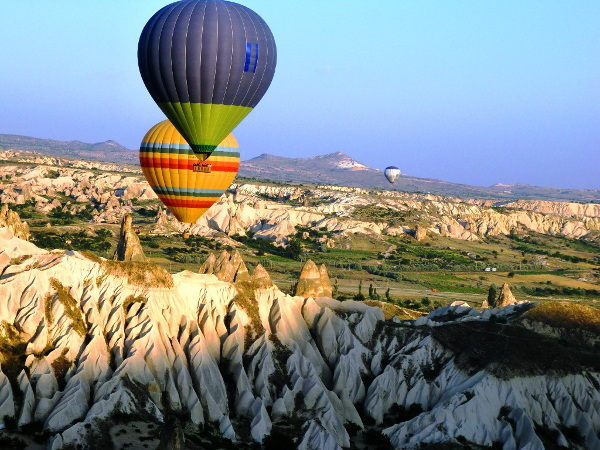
{"x": 146, "y": 212}
{"x": 371, "y": 212}
{"x": 25, "y": 210}
{"x": 59, "y": 217}
{"x": 98, "y": 241}
{"x": 558, "y": 291}
{"x": 360, "y": 296}
{"x": 294, "y": 249}
{"x": 529, "y": 245}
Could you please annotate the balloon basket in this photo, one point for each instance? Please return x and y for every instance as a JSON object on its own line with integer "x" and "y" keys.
{"x": 202, "y": 167}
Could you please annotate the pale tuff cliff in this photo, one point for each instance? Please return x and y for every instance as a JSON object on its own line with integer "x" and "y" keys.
{"x": 86, "y": 340}
{"x": 560, "y": 208}
{"x": 274, "y": 213}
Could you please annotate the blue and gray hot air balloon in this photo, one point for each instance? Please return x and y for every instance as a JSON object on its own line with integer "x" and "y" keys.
{"x": 207, "y": 64}
{"x": 391, "y": 173}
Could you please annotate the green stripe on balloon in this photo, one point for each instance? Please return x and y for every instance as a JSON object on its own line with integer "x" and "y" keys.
{"x": 211, "y": 123}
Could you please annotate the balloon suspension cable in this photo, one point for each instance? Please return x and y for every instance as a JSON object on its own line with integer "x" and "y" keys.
{"x": 202, "y": 156}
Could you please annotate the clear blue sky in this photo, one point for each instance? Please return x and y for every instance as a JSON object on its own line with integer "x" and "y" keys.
{"x": 476, "y": 92}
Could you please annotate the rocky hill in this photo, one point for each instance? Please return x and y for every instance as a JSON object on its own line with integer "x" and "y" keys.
{"x": 109, "y": 151}
{"x": 108, "y": 354}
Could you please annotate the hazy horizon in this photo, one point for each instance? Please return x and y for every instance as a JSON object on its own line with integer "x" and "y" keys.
{"x": 469, "y": 93}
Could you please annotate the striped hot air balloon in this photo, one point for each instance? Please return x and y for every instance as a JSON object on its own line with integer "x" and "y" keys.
{"x": 186, "y": 185}
{"x": 207, "y": 64}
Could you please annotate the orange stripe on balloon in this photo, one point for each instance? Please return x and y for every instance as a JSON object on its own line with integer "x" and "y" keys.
{"x": 187, "y": 203}
{"x": 164, "y": 163}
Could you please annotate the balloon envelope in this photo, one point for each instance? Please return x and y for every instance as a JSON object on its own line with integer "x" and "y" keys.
{"x": 168, "y": 164}
{"x": 392, "y": 173}
{"x": 207, "y": 64}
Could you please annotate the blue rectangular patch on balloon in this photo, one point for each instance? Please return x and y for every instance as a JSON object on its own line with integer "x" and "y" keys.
{"x": 251, "y": 57}
{"x": 255, "y": 59}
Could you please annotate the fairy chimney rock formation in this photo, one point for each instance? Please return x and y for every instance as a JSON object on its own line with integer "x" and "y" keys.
{"x": 261, "y": 276}
{"x": 232, "y": 268}
{"x": 506, "y": 297}
{"x": 224, "y": 268}
{"x": 420, "y": 233}
{"x": 162, "y": 217}
{"x": 209, "y": 265}
{"x": 485, "y": 305}
{"x": 227, "y": 267}
{"x": 129, "y": 247}
{"x": 241, "y": 273}
{"x": 12, "y": 221}
{"x": 313, "y": 282}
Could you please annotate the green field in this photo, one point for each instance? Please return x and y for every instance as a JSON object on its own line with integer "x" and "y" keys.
{"x": 536, "y": 267}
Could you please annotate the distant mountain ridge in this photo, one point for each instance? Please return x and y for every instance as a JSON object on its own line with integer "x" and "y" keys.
{"x": 332, "y": 162}
{"x": 109, "y": 151}
{"x": 333, "y": 168}
{"x": 340, "y": 169}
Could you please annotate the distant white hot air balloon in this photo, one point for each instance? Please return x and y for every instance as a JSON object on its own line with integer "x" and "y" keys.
{"x": 391, "y": 173}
